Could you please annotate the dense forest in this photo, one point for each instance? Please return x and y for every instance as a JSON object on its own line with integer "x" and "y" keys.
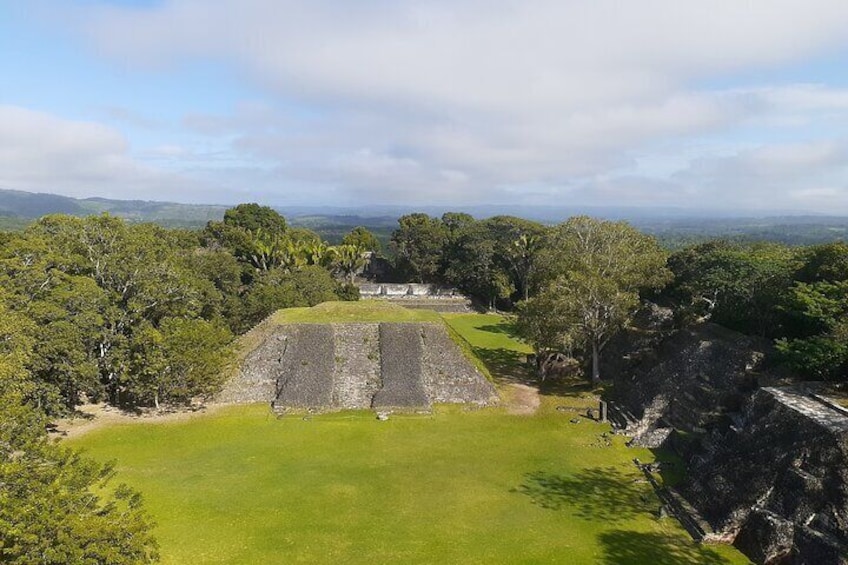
{"x": 137, "y": 315}
{"x": 575, "y": 284}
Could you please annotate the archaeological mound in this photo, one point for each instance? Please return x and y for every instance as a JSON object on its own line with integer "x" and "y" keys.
{"x": 358, "y": 365}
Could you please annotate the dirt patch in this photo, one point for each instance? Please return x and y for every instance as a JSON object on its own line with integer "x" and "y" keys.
{"x": 92, "y": 417}
{"x": 521, "y": 399}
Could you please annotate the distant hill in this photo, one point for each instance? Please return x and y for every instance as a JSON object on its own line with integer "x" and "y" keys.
{"x": 674, "y": 227}
{"x": 22, "y": 205}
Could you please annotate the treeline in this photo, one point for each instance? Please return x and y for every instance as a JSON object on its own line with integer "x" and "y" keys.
{"x": 796, "y": 296}
{"x": 139, "y": 315}
{"x": 576, "y": 284}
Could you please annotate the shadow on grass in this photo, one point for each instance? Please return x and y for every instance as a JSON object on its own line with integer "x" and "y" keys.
{"x": 602, "y": 494}
{"x": 569, "y": 386}
{"x": 507, "y": 366}
{"x": 622, "y": 547}
{"x": 510, "y": 367}
{"x": 504, "y": 328}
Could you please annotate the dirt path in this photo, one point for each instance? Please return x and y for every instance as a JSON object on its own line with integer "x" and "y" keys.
{"x": 96, "y": 416}
{"x": 521, "y": 399}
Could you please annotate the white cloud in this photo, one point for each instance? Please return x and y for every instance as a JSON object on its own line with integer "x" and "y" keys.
{"x": 42, "y": 152}
{"x": 456, "y": 98}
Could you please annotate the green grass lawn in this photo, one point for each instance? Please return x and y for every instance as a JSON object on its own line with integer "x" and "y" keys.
{"x": 240, "y": 485}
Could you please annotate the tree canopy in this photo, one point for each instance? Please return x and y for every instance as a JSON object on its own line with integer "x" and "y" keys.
{"x": 594, "y": 272}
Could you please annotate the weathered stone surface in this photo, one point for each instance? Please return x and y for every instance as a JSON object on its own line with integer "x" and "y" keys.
{"x": 767, "y": 467}
{"x": 692, "y": 380}
{"x": 359, "y": 365}
{"x": 447, "y": 374}
{"x": 256, "y": 380}
{"x": 306, "y": 371}
{"x": 788, "y": 461}
{"x": 400, "y": 367}
{"x": 766, "y": 537}
{"x": 356, "y": 376}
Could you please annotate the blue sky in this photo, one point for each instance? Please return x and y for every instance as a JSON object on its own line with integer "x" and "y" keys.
{"x": 723, "y": 105}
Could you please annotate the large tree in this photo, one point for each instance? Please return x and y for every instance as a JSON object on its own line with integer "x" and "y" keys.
{"x": 362, "y": 238}
{"x": 418, "y": 243}
{"x": 253, "y": 217}
{"x": 595, "y": 272}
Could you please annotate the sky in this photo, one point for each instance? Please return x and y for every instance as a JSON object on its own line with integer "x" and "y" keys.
{"x": 710, "y": 104}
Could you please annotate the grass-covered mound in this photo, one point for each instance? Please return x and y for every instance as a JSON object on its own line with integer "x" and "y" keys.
{"x": 455, "y": 486}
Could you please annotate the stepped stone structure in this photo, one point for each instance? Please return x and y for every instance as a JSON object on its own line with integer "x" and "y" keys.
{"x": 778, "y": 483}
{"x": 358, "y": 365}
{"x": 767, "y": 466}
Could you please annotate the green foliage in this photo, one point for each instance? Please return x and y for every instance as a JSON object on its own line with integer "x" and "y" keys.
{"x": 51, "y": 512}
{"x": 821, "y": 357}
{"x": 797, "y": 296}
{"x": 55, "y": 506}
{"x": 827, "y": 262}
{"x": 818, "y": 346}
{"x": 278, "y": 289}
{"x": 348, "y": 260}
{"x": 348, "y": 292}
{"x": 363, "y": 239}
{"x": 594, "y": 272}
{"x": 418, "y": 244}
{"x": 253, "y": 217}
{"x": 736, "y": 286}
{"x": 472, "y": 265}
{"x": 101, "y": 290}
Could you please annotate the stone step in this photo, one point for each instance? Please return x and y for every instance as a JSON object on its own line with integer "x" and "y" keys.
{"x": 401, "y": 353}
{"x": 306, "y": 370}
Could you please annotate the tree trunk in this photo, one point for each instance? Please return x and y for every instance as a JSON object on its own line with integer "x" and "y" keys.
{"x": 596, "y": 371}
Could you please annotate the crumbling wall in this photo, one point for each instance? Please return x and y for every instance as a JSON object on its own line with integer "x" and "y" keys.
{"x": 305, "y": 377}
{"x": 777, "y": 483}
{"x": 692, "y": 379}
{"x": 356, "y": 374}
{"x": 256, "y": 380}
{"x": 448, "y": 376}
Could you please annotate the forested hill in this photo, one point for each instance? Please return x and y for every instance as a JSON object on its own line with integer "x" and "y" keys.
{"x": 674, "y": 228}
{"x": 16, "y": 207}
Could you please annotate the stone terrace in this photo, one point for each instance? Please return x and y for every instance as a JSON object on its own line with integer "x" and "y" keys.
{"x": 359, "y": 365}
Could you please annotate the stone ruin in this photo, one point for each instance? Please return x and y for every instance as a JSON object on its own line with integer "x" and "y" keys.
{"x": 383, "y": 366}
{"x": 767, "y": 466}
{"x": 777, "y": 483}
{"x": 413, "y": 295}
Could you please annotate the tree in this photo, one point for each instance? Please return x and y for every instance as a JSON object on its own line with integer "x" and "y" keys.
{"x": 818, "y": 347}
{"x": 518, "y": 243}
{"x": 55, "y": 505}
{"x": 363, "y": 239}
{"x": 738, "y": 286}
{"x": 471, "y": 265}
{"x": 253, "y": 217}
{"x": 277, "y": 289}
{"x": 348, "y": 260}
{"x": 418, "y": 244}
{"x": 596, "y": 271}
